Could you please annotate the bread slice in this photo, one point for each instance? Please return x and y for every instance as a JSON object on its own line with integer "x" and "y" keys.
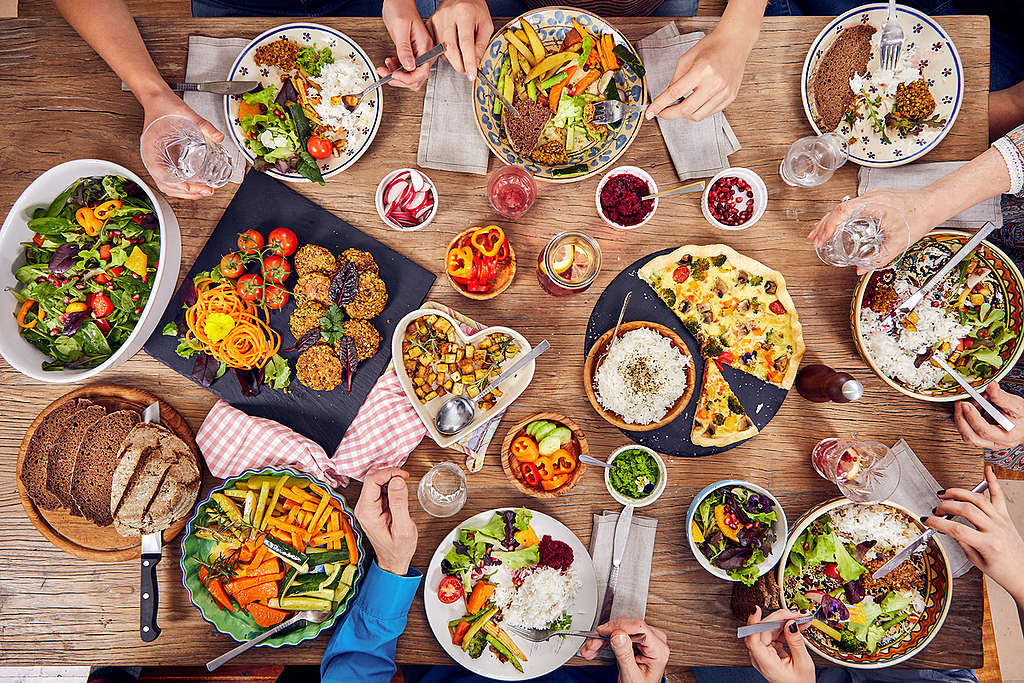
{"x": 829, "y": 89}
{"x": 94, "y": 468}
{"x": 61, "y": 461}
{"x": 33, "y": 470}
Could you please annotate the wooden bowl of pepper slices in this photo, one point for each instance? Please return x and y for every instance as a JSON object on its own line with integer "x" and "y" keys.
{"x": 480, "y": 262}
{"x": 514, "y": 467}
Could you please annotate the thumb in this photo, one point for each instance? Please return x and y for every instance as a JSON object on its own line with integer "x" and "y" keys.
{"x": 797, "y": 646}
{"x": 622, "y": 646}
{"x": 398, "y": 498}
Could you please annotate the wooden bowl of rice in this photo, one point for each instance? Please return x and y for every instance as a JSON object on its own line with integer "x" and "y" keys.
{"x": 578, "y": 446}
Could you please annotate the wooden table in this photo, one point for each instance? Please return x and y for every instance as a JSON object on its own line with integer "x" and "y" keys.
{"x": 63, "y": 103}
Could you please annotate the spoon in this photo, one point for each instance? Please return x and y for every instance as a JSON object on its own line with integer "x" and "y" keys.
{"x": 591, "y": 460}
{"x": 692, "y": 187}
{"x": 925, "y": 354}
{"x": 622, "y": 312}
{"x": 352, "y": 101}
{"x": 309, "y": 616}
{"x": 458, "y": 412}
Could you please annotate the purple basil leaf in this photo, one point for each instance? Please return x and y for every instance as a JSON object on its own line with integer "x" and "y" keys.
{"x": 344, "y": 285}
{"x": 349, "y": 357}
{"x": 250, "y": 381}
{"x": 63, "y": 258}
{"x": 149, "y": 221}
{"x": 189, "y": 295}
{"x": 854, "y": 591}
{"x": 509, "y": 516}
{"x": 462, "y": 549}
{"x": 286, "y": 94}
{"x": 72, "y": 321}
{"x": 733, "y": 558}
{"x": 306, "y": 341}
{"x": 282, "y": 165}
{"x": 861, "y": 549}
{"x": 204, "y": 369}
{"x": 832, "y": 609}
{"x": 752, "y": 537}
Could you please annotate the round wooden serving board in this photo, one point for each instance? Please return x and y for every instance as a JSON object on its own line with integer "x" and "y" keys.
{"x": 77, "y": 535}
{"x": 578, "y": 446}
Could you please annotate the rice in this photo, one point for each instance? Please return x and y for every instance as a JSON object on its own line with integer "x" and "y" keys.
{"x": 890, "y": 528}
{"x": 894, "y": 353}
{"x": 544, "y": 595}
{"x": 642, "y": 376}
{"x": 344, "y": 77}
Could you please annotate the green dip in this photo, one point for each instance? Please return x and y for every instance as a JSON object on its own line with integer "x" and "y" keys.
{"x": 634, "y": 473}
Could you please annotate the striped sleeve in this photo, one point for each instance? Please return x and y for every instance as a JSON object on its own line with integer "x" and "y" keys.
{"x": 1011, "y": 146}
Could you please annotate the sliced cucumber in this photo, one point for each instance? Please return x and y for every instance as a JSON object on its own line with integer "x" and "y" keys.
{"x": 548, "y": 445}
{"x": 564, "y": 435}
{"x": 545, "y": 430}
{"x": 532, "y": 428}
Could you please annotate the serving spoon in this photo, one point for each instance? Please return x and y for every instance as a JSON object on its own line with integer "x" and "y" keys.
{"x": 591, "y": 460}
{"x": 458, "y": 412}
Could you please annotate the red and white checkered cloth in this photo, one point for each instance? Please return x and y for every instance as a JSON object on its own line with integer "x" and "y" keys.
{"x": 383, "y": 434}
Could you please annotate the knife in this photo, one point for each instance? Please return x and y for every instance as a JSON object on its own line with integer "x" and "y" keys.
{"x": 902, "y": 555}
{"x": 214, "y": 87}
{"x": 152, "y": 552}
{"x": 497, "y": 93}
{"x": 618, "y": 551}
{"x": 772, "y": 625}
{"x": 917, "y": 297}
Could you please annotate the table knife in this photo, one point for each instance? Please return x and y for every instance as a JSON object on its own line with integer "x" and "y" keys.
{"x": 497, "y": 93}
{"x": 618, "y": 551}
{"x": 771, "y": 625}
{"x": 213, "y": 87}
{"x": 917, "y": 297}
{"x": 902, "y": 555}
{"x": 152, "y": 552}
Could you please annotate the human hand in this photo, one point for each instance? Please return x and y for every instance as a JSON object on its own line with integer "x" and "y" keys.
{"x": 780, "y": 656}
{"x": 162, "y": 104}
{"x": 383, "y": 512}
{"x": 977, "y": 431}
{"x": 995, "y": 546}
{"x": 465, "y": 28}
{"x": 411, "y": 39}
{"x": 646, "y": 667}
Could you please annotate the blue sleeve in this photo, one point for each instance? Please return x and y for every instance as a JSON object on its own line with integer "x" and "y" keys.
{"x": 363, "y": 646}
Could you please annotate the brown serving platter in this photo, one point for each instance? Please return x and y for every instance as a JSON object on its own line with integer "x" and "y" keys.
{"x": 577, "y": 446}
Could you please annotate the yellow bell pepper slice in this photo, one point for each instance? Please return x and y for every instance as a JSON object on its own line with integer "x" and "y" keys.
{"x": 137, "y": 262}
{"x": 554, "y": 61}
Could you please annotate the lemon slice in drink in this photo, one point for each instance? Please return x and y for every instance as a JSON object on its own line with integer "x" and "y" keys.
{"x": 581, "y": 264}
{"x": 562, "y": 259}
{"x": 848, "y": 466}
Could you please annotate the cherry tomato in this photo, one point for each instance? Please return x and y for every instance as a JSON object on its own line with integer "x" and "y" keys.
{"x": 104, "y": 252}
{"x": 450, "y": 590}
{"x": 231, "y": 265}
{"x": 102, "y": 306}
{"x": 275, "y": 297}
{"x": 832, "y": 569}
{"x": 282, "y": 242}
{"x": 103, "y": 325}
{"x": 38, "y": 239}
{"x": 319, "y": 148}
{"x": 776, "y": 307}
{"x": 250, "y": 241}
{"x": 680, "y": 274}
{"x": 276, "y": 269}
{"x": 250, "y": 288}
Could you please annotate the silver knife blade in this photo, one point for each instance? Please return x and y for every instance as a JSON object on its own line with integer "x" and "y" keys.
{"x": 619, "y": 543}
{"x": 497, "y": 93}
{"x": 773, "y": 625}
{"x": 213, "y": 87}
{"x": 152, "y": 553}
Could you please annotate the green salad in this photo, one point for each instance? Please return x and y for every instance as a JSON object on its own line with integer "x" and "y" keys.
{"x": 634, "y": 473}
{"x": 88, "y": 271}
{"x": 734, "y": 528}
{"x": 276, "y": 131}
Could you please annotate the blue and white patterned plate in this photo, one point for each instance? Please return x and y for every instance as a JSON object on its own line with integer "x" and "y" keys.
{"x": 342, "y": 47}
{"x": 551, "y": 24}
{"x": 935, "y": 56}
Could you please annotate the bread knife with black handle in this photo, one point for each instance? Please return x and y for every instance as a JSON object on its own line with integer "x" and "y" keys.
{"x": 152, "y": 552}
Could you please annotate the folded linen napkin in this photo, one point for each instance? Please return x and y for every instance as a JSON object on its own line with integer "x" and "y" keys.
{"x": 917, "y": 176}
{"x": 916, "y": 492}
{"x": 635, "y": 572}
{"x": 449, "y": 138}
{"x": 698, "y": 148}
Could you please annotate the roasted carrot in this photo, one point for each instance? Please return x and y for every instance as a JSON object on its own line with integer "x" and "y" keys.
{"x": 556, "y": 90}
{"x": 264, "y": 591}
{"x": 350, "y": 542}
{"x": 265, "y": 616}
{"x": 610, "y": 61}
{"x": 460, "y": 632}
{"x": 271, "y": 566}
{"x": 585, "y": 82}
{"x": 482, "y": 592}
{"x": 291, "y": 528}
{"x": 217, "y": 591}
{"x": 327, "y": 537}
{"x": 236, "y": 586}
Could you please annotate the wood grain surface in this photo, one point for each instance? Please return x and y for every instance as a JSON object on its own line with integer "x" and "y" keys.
{"x": 64, "y": 103}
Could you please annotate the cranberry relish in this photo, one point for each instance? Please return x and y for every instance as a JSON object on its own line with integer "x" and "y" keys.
{"x": 621, "y": 199}
{"x": 731, "y": 200}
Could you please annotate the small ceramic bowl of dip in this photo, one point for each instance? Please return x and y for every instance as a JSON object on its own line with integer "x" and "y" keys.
{"x": 642, "y": 464}
{"x": 620, "y": 190}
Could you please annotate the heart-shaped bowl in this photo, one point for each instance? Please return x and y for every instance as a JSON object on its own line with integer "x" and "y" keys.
{"x": 510, "y": 388}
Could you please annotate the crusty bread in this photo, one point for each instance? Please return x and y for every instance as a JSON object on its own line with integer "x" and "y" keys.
{"x": 33, "y": 470}
{"x": 829, "y": 91}
{"x": 61, "y": 461}
{"x": 94, "y": 468}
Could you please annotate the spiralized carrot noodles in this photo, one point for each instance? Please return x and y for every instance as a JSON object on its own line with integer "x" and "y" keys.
{"x": 247, "y": 344}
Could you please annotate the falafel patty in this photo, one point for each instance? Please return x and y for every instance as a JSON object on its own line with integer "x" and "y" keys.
{"x": 319, "y": 368}
{"x": 362, "y": 260}
{"x": 312, "y": 258}
{"x": 305, "y": 317}
{"x": 371, "y": 297}
{"x": 366, "y": 337}
{"x": 314, "y": 287}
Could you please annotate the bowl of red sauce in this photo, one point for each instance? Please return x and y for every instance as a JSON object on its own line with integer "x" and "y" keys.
{"x": 734, "y": 199}
{"x": 619, "y": 197}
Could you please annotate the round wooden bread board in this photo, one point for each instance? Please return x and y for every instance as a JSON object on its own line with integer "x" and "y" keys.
{"x": 77, "y": 535}
{"x": 598, "y": 350}
{"x": 578, "y": 446}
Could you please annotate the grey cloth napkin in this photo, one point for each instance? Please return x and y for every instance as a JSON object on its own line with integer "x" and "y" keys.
{"x": 917, "y": 176}
{"x": 698, "y": 148}
{"x": 635, "y": 571}
{"x": 449, "y": 139}
{"x": 916, "y": 492}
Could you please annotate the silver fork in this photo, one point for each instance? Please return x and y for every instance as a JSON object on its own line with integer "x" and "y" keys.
{"x": 539, "y": 635}
{"x": 613, "y": 111}
{"x": 891, "y": 41}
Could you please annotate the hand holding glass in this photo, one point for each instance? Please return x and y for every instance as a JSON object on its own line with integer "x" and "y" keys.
{"x": 174, "y": 150}
{"x": 872, "y": 236}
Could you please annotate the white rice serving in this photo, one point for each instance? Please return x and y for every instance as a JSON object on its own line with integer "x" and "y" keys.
{"x": 890, "y": 528}
{"x": 343, "y": 77}
{"x": 544, "y": 595}
{"x": 642, "y": 376}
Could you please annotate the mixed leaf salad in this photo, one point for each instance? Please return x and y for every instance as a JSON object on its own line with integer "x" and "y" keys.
{"x": 277, "y": 131}
{"x": 88, "y": 271}
{"x": 734, "y": 529}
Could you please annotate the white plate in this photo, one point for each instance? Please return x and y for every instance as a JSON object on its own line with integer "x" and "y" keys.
{"x": 941, "y": 67}
{"x": 542, "y": 658}
{"x": 304, "y": 33}
{"x": 510, "y": 388}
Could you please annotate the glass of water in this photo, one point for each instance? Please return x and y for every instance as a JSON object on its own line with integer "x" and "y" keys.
{"x": 873, "y": 236}
{"x": 174, "y": 150}
{"x": 812, "y": 160}
{"x": 865, "y": 471}
{"x": 442, "y": 490}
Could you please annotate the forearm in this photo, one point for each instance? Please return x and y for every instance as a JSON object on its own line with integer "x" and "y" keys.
{"x": 742, "y": 19}
{"x": 983, "y": 177}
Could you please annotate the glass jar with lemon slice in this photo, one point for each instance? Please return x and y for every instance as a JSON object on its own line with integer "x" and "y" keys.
{"x": 569, "y": 264}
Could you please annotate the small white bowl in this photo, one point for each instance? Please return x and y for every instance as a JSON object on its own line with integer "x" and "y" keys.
{"x": 378, "y": 199}
{"x": 658, "y": 489}
{"x": 627, "y": 170}
{"x": 756, "y": 185}
{"x": 781, "y": 528}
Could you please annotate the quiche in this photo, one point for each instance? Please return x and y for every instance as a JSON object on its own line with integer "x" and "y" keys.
{"x": 720, "y": 418}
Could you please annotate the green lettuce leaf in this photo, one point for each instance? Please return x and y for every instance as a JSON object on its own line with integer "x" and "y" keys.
{"x": 517, "y": 559}
{"x": 849, "y": 568}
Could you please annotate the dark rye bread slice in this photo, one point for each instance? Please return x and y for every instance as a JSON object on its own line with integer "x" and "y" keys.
{"x": 829, "y": 91}
{"x": 61, "y": 462}
{"x": 94, "y": 468}
{"x": 33, "y": 470}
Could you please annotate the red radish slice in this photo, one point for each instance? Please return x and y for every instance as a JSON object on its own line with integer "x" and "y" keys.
{"x": 395, "y": 190}
{"x": 416, "y": 178}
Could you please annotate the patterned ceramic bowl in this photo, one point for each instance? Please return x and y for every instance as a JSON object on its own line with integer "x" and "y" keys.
{"x": 552, "y": 23}
{"x": 935, "y": 56}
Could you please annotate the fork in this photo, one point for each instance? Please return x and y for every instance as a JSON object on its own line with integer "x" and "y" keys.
{"x": 891, "y": 41}
{"x": 539, "y": 635}
{"x": 613, "y": 111}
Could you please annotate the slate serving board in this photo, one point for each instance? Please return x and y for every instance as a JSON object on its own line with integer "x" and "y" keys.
{"x": 264, "y": 204}
{"x": 760, "y": 399}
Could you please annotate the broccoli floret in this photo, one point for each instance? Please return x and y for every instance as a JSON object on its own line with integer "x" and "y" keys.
{"x": 756, "y": 280}
{"x": 713, "y": 349}
{"x": 735, "y": 406}
{"x": 718, "y": 419}
{"x": 691, "y": 326}
{"x": 668, "y": 296}
{"x": 477, "y": 644}
{"x": 849, "y": 643}
{"x": 719, "y": 260}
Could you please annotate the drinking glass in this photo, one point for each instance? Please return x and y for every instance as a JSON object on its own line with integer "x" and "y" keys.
{"x": 569, "y": 264}
{"x": 511, "y": 191}
{"x": 812, "y": 160}
{"x": 865, "y": 471}
{"x": 873, "y": 236}
{"x": 174, "y": 150}
{"x": 442, "y": 490}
